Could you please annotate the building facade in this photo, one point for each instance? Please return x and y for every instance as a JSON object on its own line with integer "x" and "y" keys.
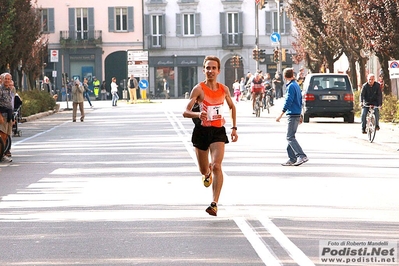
{"x": 90, "y": 38}
{"x": 180, "y": 33}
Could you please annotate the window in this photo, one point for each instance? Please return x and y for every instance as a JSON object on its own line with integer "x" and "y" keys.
{"x": 157, "y": 28}
{"x": 272, "y": 23}
{"x": 121, "y": 19}
{"x": 188, "y": 25}
{"x": 81, "y": 24}
{"x": 47, "y": 20}
{"x": 44, "y": 20}
{"x": 232, "y": 28}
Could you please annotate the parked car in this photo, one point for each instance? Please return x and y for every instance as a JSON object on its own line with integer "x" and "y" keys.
{"x": 328, "y": 95}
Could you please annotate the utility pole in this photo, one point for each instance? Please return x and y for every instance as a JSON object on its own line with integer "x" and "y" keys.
{"x": 256, "y": 34}
{"x": 280, "y": 63}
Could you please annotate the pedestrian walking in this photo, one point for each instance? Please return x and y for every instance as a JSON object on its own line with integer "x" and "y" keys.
{"x": 237, "y": 90}
{"x": 77, "y": 100}
{"x": 209, "y": 136}
{"x": 133, "y": 85}
{"x": 103, "y": 91}
{"x": 86, "y": 93}
{"x": 166, "y": 88}
{"x": 293, "y": 108}
{"x": 114, "y": 92}
{"x": 96, "y": 87}
{"x": 7, "y": 93}
{"x": 278, "y": 86}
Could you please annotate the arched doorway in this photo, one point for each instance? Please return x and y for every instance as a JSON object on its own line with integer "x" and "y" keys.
{"x": 116, "y": 66}
{"x": 232, "y": 73}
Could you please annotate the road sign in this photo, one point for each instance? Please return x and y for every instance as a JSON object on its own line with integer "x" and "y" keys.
{"x": 143, "y": 84}
{"x": 393, "y": 69}
{"x": 137, "y": 63}
{"x": 275, "y": 37}
{"x": 54, "y": 56}
{"x": 393, "y": 64}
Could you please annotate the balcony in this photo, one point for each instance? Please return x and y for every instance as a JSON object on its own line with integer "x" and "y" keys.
{"x": 231, "y": 41}
{"x": 79, "y": 39}
{"x": 156, "y": 42}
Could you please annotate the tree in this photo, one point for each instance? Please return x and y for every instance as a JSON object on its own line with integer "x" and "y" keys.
{"x": 315, "y": 43}
{"x": 7, "y": 16}
{"x": 21, "y": 29}
{"x": 378, "y": 25}
{"x": 347, "y": 33}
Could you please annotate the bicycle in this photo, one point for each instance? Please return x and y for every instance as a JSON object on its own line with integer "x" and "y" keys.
{"x": 267, "y": 104}
{"x": 258, "y": 105}
{"x": 370, "y": 123}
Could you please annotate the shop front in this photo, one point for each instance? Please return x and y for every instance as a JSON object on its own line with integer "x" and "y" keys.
{"x": 180, "y": 72}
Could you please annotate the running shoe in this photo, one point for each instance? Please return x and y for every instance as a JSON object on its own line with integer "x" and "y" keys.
{"x": 301, "y": 161}
{"x": 288, "y": 163}
{"x": 207, "y": 179}
{"x": 6, "y": 159}
{"x": 212, "y": 209}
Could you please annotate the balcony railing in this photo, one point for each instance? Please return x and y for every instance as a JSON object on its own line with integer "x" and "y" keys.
{"x": 156, "y": 42}
{"x": 232, "y": 40}
{"x": 78, "y": 38}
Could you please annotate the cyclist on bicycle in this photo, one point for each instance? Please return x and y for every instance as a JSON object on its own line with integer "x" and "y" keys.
{"x": 257, "y": 88}
{"x": 371, "y": 95}
{"x": 269, "y": 91}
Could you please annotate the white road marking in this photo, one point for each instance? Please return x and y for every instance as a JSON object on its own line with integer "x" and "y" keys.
{"x": 260, "y": 247}
{"x": 293, "y": 251}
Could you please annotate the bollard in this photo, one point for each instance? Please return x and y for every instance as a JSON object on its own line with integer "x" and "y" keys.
{"x": 186, "y": 95}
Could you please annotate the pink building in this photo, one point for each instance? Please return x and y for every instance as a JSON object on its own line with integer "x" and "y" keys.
{"x": 90, "y": 38}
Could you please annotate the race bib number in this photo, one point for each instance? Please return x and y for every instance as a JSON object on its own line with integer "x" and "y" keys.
{"x": 215, "y": 112}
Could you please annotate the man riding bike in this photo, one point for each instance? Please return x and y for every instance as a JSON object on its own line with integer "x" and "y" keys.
{"x": 257, "y": 88}
{"x": 371, "y": 95}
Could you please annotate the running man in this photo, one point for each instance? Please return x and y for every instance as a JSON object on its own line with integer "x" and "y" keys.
{"x": 209, "y": 137}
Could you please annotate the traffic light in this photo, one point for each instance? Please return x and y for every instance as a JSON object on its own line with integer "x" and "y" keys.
{"x": 238, "y": 61}
{"x": 255, "y": 54}
{"x": 262, "y": 54}
{"x": 275, "y": 55}
{"x": 283, "y": 54}
{"x": 232, "y": 61}
{"x": 262, "y": 4}
{"x": 235, "y": 61}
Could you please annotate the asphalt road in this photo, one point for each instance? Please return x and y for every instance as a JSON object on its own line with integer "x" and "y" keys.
{"x": 122, "y": 188}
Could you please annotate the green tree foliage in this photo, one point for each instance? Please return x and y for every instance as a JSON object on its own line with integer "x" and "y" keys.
{"x": 7, "y": 32}
{"x": 36, "y": 101}
{"x": 20, "y": 37}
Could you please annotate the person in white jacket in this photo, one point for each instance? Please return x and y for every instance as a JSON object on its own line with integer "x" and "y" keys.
{"x": 114, "y": 92}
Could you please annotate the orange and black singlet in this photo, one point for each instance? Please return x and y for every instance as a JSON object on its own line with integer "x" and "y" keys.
{"x": 213, "y": 105}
